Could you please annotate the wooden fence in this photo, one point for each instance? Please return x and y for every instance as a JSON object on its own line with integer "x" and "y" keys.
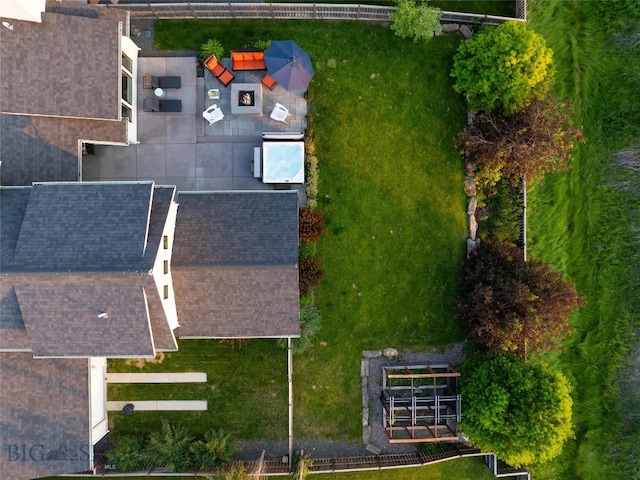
{"x": 288, "y": 11}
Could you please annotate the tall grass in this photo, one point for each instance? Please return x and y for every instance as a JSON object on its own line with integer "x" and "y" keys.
{"x": 585, "y": 223}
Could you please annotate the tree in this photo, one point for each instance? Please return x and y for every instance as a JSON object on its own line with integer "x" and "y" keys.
{"x": 533, "y": 141}
{"x": 215, "y": 450}
{"x": 507, "y": 67}
{"x": 171, "y": 447}
{"x": 517, "y": 410}
{"x": 415, "y": 20}
{"x": 512, "y": 306}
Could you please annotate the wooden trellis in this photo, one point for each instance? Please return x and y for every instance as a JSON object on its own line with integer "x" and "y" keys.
{"x": 421, "y": 403}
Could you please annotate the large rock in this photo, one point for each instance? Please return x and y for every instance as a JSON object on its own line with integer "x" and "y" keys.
{"x": 472, "y": 245}
{"x": 451, "y": 27}
{"x": 465, "y": 32}
{"x": 470, "y": 186}
{"x": 473, "y": 227}
{"x": 473, "y": 204}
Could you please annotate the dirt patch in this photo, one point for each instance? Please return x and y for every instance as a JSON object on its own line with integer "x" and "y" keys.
{"x": 141, "y": 362}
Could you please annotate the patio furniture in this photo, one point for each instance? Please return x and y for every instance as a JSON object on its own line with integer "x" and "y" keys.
{"x": 218, "y": 70}
{"x": 280, "y": 113}
{"x": 155, "y": 105}
{"x": 161, "y": 82}
{"x": 247, "y": 60}
{"x": 257, "y": 162}
{"x": 213, "y": 114}
{"x": 269, "y": 82}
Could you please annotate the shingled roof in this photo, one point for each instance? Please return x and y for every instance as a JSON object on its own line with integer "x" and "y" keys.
{"x": 53, "y": 97}
{"x": 234, "y": 264}
{"x": 44, "y": 419}
{"x": 75, "y": 277}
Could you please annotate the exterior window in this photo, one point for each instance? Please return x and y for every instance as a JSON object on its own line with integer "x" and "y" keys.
{"x": 127, "y": 63}
{"x": 165, "y": 242}
{"x": 127, "y": 87}
{"x": 166, "y": 267}
{"x": 166, "y": 292}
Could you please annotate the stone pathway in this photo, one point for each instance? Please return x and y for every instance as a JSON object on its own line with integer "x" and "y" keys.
{"x": 187, "y": 377}
{"x": 159, "y": 405}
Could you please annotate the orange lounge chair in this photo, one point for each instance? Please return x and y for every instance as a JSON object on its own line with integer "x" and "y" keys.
{"x": 226, "y": 77}
{"x": 214, "y": 66}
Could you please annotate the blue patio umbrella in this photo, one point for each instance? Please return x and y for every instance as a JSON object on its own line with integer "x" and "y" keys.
{"x": 289, "y": 65}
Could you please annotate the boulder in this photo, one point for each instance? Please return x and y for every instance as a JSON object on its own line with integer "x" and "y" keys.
{"x": 473, "y": 204}
{"x": 473, "y": 227}
{"x": 465, "y": 32}
{"x": 470, "y": 186}
{"x": 472, "y": 245}
{"x": 471, "y": 117}
{"x": 372, "y": 354}
{"x": 451, "y": 27}
{"x": 470, "y": 167}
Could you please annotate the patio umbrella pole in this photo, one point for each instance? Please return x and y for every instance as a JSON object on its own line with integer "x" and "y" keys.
{"x": 290, "y": 382}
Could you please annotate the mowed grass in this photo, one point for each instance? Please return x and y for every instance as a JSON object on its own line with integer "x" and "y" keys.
{"x": 583, "y": 223}
{"x": 246, "y": 389}
{"x": 386, "y": 119}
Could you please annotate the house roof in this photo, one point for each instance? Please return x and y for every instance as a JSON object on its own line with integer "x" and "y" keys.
{"x": 59, "y": 86}
{"x": 74, "y": 74}
{"x": 45, "y": 408}
{"x": 234, "y": 264}
{"x": 83, "y": 227}
{"x": 69, "y": 253}
{"x": 46, "y": 149}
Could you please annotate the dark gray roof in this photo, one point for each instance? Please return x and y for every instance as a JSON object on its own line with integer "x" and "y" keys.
{"x": 84, "y": 227}
{"x": 44, "y": 405}
{"x": 234, "y": 264}
{"x": 13, "y": 204}
{"x": 236, "y": 228}
{"x": 65, "y": 66}
{"x": 45, "y": 149}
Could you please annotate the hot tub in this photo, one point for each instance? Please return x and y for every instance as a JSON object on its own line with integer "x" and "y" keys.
{"x": 283, "y": 162}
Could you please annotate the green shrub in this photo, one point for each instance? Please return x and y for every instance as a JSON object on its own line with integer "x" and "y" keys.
{"x": 216, "y": 449}
{"x": 310, "y": 325}
{"x": 211, "y": 47}
{"x": 312, "y": 181}
{"x": 505, "y": 210}
{"x": 307, "y": 300}
{"x": 171, "y": 448}
{"x": 261, "y": 44}
{"x": 306, "y": 249}
{"x": 310, "y": 225}
{"x": 506, "y": 67}
{"x": 310, "y": 274}
{"x": 129, "y": 454}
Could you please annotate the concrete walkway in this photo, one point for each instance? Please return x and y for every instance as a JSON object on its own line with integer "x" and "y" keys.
{"x": 186, "y": 377}
{"x": 159, "y": 405}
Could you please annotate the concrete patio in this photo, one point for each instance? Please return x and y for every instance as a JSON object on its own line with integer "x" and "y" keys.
{"x": 182, "y": 149}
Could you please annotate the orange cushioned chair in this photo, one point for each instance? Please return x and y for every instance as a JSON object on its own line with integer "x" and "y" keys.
{"x": 214, "y": 66}
{"x": 226, "y": 77}
{"x": 269, "y": 82}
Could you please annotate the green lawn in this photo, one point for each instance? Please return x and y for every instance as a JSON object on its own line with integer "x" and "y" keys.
{"x": 246, "y": 389}
{"x": 582, "y": 222}
{"x": 391, "y": 189}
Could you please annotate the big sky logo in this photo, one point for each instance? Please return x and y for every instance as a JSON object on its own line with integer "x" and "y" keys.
{"x": 40, "y": 453}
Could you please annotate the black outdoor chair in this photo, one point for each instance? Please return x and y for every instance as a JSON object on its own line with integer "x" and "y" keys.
{"x": 155, "y": 105}
{"x": 161, "y": 82}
